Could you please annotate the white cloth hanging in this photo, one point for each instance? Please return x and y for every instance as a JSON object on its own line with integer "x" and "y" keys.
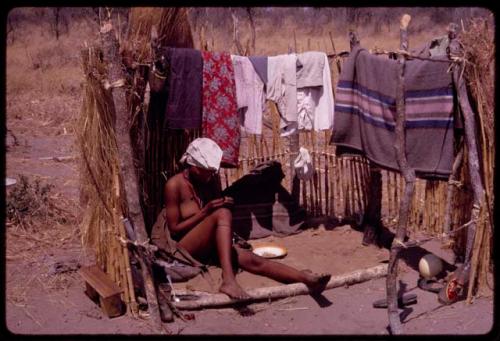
{"x": 250, "y": 97}
{"x": 315, "y": 105}
{"x": 281, "y": 88}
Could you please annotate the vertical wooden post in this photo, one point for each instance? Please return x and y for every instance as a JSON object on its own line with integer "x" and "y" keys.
{"x": 409, "y": 177}
{"x": 472, "y": 152}
{"x": 130, "y": 203}
{"x": 337, "y": 61}
{"x": 449, "y": 194}
{"x": 293, "y": 144}
{"x": 372, "y": 216}
{"x": 294, "y": 152}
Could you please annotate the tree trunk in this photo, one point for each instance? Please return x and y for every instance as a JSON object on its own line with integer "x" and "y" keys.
{"x": 130, "y": 203}
{"x": 236, "y": 38}
{"x": 252, "y": 30}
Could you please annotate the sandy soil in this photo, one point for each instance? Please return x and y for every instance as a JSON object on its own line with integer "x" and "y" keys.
{"x": 44, "y": 294}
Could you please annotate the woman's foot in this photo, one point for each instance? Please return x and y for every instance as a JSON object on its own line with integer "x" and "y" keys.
{"x": 233, "y": 290}
{"x": 316, "y": 282}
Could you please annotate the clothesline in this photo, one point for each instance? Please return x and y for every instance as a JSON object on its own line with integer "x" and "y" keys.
{"x": 220, "y": 92}
{"x": 407, "y": 54}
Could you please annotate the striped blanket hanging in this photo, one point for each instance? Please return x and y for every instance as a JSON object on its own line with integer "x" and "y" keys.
{"x": 365, "y": 112}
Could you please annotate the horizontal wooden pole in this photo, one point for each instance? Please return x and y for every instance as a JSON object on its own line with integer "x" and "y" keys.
{"x": 207, "y": 300}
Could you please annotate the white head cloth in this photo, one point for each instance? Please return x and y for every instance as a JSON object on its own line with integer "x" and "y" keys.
{"x": 204, "y": 153}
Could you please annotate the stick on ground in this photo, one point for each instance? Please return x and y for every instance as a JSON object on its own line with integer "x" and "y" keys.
{"x": 207, "y": 300}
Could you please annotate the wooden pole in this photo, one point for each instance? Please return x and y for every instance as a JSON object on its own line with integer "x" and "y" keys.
{"x": 294, "y": 180}
{"x": 373, "y": 209}
{"x": 409, "y": 177}
{"x": 288, "y": 290}
{"x": 472, "y": 152}
{"x": 131, "y": 205}
{"x": 326, "y": 178}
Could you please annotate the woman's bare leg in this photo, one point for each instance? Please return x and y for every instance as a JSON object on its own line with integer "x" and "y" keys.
{"x": 280, "y": 272}
{"x": 199, "y": 242}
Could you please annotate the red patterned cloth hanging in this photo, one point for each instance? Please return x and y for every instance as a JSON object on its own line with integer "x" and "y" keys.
{"x": 220, "y": 119}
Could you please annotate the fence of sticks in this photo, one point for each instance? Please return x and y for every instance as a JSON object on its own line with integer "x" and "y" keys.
{"x": 339, "y": 187}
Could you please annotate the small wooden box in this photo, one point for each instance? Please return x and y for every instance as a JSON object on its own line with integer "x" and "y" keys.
{"x": 102, "y": 290}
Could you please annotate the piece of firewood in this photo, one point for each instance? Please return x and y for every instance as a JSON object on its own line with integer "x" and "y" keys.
{"x": 217, "y": 300}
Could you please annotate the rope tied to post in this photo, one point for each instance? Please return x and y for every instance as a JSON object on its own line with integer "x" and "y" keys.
{"x": 456, "y": 183}
{"x": 116, "y": 84}
{"x": 145, "y": 244}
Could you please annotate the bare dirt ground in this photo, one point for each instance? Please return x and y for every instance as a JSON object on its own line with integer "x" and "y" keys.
{"x": 45, "y": 295}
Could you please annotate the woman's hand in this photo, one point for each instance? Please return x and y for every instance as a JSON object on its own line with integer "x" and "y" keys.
{"x": 228, "y": 201}
{"x": 217, "y": 203}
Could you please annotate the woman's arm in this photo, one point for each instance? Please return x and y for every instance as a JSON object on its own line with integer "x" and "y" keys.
{"x": 173, "y": 214}
{"x": 172, "y": 210}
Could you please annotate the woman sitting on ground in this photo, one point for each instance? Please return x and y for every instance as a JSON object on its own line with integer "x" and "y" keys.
{"x": 202, "y": 224}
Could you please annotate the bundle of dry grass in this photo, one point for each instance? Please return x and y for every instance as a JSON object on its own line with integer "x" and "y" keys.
{"x": 479, "y": 48}
{"x": 99, "y": 155}
{"x": 172, "y": 26}
{"x": 100, "y": 181}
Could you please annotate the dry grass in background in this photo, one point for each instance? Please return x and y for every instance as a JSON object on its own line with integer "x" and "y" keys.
{"x": 43, "y": 88}
{"x": 43, "y": 98}
{"x": 278, "y": 35}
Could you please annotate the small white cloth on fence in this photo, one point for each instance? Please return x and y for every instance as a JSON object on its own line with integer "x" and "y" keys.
{"x": 204, "y": 153}
{"x": 303, "y": 165}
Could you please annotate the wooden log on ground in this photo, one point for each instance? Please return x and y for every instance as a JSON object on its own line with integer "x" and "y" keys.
{"x": 409, "y": 177}
{"x": 218, "y": 300}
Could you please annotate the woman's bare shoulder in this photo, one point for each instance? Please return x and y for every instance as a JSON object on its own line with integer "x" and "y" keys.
{"x": 174, "y": 182}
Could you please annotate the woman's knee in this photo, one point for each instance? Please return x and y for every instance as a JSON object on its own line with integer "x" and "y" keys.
{"x": 222, "y": 215}
{"x": 250, "y": 261}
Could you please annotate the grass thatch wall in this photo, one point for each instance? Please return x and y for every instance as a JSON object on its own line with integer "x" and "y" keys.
{"x": 479, "y": 45}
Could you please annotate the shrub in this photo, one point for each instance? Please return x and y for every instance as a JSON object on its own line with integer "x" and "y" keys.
{"x": 30, "y": 205}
